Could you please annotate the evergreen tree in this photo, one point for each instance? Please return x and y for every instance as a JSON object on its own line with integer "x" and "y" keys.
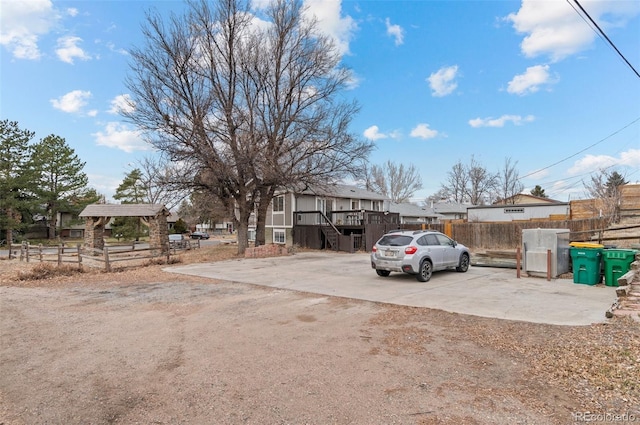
{"x": 132, "y": 190}
{"x": 614, "y": 181}
{"x": 539, "y": 192}
{"x": 16, "y": 183}
{"x": 59, "y": 177}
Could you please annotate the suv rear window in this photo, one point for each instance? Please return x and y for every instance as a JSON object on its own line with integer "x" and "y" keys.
{"x": 395, "y": 240}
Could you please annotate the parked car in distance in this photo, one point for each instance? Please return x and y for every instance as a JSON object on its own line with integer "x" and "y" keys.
{"x": 177, "y": 241}
{"x": 199, "y": 235}
{"x": 419, "y": 252}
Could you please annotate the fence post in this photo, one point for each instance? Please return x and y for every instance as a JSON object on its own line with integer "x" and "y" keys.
{"x": 79, "y": 257}
{"x": 40, "y": 252}
{"x": 60, "y": 251}
{"x": 518, "y": 262}
{"x": 25, "y": 246}
{"x": 107, "y": 266}
{"x": 548, "y": 265}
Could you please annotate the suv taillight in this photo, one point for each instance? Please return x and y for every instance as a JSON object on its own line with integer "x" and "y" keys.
{"x": 410, "y": 250}
{"x": 374, "y": 249}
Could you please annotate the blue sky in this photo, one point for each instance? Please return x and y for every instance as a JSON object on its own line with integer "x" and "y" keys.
{"x": 438, "y": 82}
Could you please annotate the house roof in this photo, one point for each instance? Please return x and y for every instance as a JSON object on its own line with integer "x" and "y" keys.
{"x": 525, "y": 198}
{"x": 406, "y": 209}
{"x": 123, "y": 210}
{"x": 451, "y": 208}
{"x": 344, "y": 191}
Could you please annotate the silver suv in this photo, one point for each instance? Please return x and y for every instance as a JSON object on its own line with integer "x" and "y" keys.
{"x": 420, "y": 252}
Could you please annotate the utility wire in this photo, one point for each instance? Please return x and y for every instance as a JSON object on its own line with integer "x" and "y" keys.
{"x": 585, "y": 149}
{"x": 604, "y": 35}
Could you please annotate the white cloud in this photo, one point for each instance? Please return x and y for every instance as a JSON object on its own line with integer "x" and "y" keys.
{"x": 588, "y": 163}
{"x": 72, "y": 102}
{"x": 395, "y": 31}
{"x": 554, "y": 28}
{"x": 442, "y": 81}
{"x": 22, "y": 23}
{"x": 340, "y": 29}
{"x": 72, "y": 11}
{"x": 423, "y": 131}
{"x": 500, "y": 122}
{"x": 373, "y": 133}
{"x": 68, "y": 49}
{"x": 119, "y": 136}
{"x": 530, "y": 81}
{"x": 121, "y": 103}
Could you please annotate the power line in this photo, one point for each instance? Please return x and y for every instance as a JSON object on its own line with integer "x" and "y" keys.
{"x": 585, "y": 149}
{"x": 603, "y": 35}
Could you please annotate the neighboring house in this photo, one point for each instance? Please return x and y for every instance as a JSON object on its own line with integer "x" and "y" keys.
{"x": 515, "y": 212}
{"x": 525, "y": 198}
{"x": 451, "y": 210}
{"x": 316, "y": 217}
{"x": 415, "y": 214}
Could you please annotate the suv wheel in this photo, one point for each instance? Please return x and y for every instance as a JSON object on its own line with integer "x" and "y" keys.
{"x": 464, "y": 263}
{"x": 424, "y": 274}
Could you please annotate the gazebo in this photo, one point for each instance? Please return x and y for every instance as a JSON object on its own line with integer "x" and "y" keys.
{"x": 153, "y": 216}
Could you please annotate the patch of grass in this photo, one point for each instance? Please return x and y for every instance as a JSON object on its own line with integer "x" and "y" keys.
{"x": 48, "y": 271}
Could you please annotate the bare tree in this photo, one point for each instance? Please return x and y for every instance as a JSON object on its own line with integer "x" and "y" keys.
{"x": 508, "y": 181}
{"x": 253, "y": 108}
{"x": 604, "y": 189}
{"x": 471, "y": 183}
{"x": 398, "y": 182}
{"x": 481, "y": 182}
{"x": 162, "y": 180}
{"x": 456, "y": 184}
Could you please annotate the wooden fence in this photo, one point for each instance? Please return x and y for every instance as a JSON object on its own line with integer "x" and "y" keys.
{"x": 78, "y": 255}
{"x": 508, "y": 235}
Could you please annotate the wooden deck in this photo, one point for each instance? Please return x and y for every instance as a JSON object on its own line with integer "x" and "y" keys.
{"x": 348, "y": 231}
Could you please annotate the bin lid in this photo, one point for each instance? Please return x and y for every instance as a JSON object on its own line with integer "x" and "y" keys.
{"x": 586, "y": 245}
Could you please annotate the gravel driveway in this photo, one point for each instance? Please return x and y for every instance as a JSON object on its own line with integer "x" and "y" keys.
{"x": 150, "y": 347}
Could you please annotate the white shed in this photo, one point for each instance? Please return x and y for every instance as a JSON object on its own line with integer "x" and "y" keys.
{"x": 516, "y": 212}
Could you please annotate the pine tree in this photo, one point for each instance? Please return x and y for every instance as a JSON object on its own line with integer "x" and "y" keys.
{"x": 59, "y": 177}
{"x": 539, "y": 192}
{"x": 16, "y": 183}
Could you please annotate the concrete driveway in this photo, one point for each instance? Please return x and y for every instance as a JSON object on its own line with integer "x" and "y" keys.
{"x": 481, "y": 291}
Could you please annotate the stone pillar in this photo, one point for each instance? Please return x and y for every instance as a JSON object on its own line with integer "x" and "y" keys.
{"x": 94, "y": 232}
{"x": 158, "y": 234}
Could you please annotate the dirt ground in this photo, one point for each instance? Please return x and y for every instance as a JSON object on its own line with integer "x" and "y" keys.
{"x": 141, "y": 346}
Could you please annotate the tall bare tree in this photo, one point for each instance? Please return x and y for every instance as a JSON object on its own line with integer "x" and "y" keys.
{"x": 508, "y": 181}
{"x": 251, "y": 107}
{"x": 455, "y": 187}
{"x": 162, "y": 180}
{"x": 398, "y": 182}
{"x": 482, "y": 183}
{"x": 470, "y": 182}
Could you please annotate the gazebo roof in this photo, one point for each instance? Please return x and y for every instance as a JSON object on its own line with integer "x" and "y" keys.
{"x": 124, "y": 210}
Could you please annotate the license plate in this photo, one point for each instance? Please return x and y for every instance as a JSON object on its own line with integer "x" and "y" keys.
{"x": 390, "y": 253}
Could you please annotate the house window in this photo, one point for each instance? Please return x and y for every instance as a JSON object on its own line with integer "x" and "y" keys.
{"x": 377, "y": 205}
{"x": 279, "y": 236}
{"x": 514, "y": 210}
{"x": 355, "y": 204}
{"x": 278, "y": 203}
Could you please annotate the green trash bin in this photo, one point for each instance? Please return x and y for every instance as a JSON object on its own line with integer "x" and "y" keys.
{"x": 616, "y": 263}
{"x": 586, "y": 264}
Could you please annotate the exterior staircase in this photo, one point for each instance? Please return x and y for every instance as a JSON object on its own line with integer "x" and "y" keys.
{"x": 330, "y": 232}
